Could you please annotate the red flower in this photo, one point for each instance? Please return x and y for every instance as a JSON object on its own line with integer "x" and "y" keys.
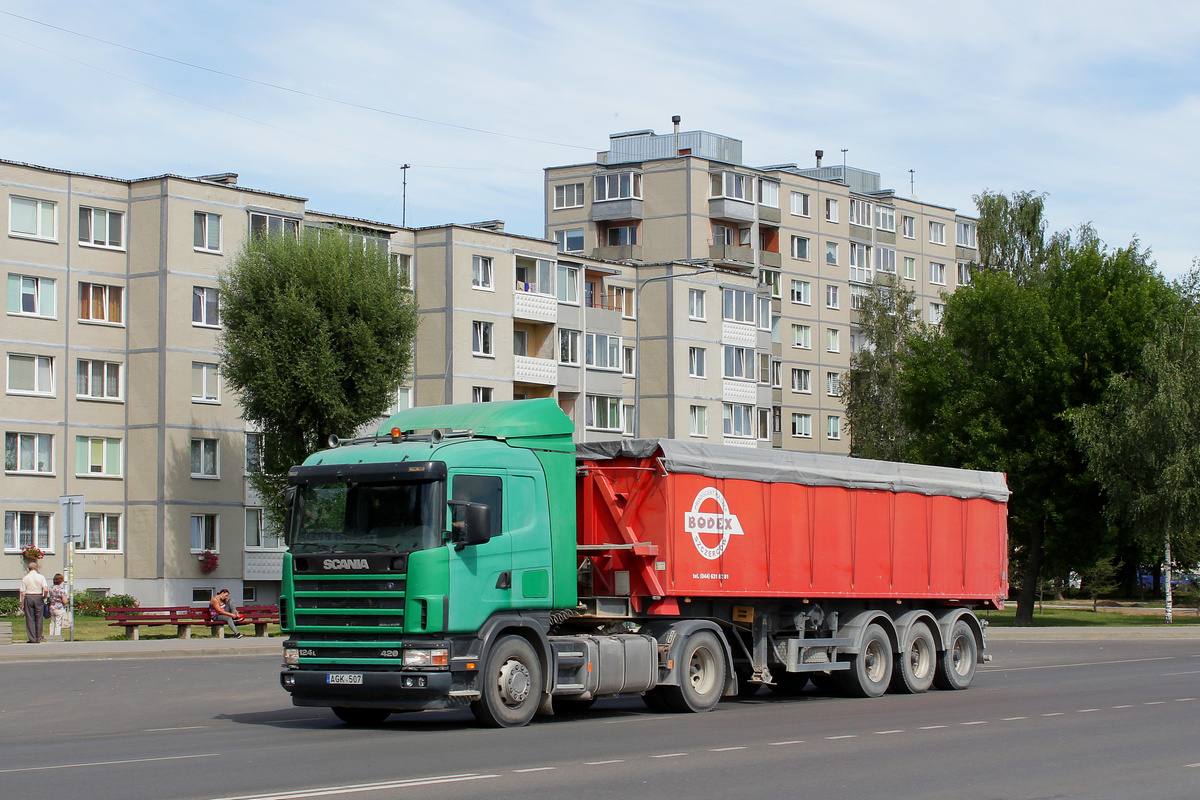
{"x": 208, "y": 561}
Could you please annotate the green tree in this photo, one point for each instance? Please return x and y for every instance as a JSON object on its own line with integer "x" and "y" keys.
{"x": 1012, "y": 233}
{"x": 1098, "y": 579}
{"x": 318, "y": 334}
{"x": 1142, "y": 439}
{"x": 886, "y": 319}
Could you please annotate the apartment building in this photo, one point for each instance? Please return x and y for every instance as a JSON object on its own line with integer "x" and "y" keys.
{"x": 813, "y": 238}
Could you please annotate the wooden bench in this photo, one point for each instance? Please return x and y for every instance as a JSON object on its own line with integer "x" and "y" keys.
{"x": 185, "y": 617}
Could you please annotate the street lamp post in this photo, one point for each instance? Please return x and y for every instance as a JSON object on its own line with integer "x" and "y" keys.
{"x": 637, "y": 364}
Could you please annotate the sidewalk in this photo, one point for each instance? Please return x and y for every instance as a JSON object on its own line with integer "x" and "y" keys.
{"x": 142, "y": 648}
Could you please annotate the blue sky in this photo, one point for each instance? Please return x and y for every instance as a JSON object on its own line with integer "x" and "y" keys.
{"x": 1095, "y": 103}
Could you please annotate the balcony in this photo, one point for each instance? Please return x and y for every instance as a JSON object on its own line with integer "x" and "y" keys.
{"x": 536, "y": 307}
{"x": 528, "y": 369}
{"x": 741, "y": 392}
{"x": 738, "y": 333}
{"x": 618, "y": 252}
{"x": 724, "y": 208}
{"x": 768, "y": 214}
{"x": 264, "y": 565}
{"x": 731, "y": 252}
{"x": 769, "y": 259}
{"x": 629, "y": 208}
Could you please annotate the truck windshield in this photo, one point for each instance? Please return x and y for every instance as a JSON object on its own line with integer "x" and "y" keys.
{"x": 366, "y": 518}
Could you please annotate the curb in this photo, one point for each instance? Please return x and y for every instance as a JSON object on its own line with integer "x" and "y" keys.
{"x": 1131, "y": 633}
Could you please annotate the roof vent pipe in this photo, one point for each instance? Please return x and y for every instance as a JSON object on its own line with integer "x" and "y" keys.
{"x": 820, "y": 155}
{"x": 676, "y": 119}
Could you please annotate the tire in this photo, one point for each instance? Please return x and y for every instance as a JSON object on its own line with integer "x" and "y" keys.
{"x": 916, "y": 665}
{"x": 745, "y": 687}
{"x": 790, "y": 683}
{"x": 871, "y": 669}
{"x": 510, "y": 685}
{"x": 701, "y": 667}
{"x": 655, "y": 702}
{"x": 826, "y": 682}
{"x": 956, "y": 664}
{"x": 362, "y": 717}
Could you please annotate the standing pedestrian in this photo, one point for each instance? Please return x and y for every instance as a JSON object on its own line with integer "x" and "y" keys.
{"x": 59, "y": 600}
{"x": 33, "y": 601}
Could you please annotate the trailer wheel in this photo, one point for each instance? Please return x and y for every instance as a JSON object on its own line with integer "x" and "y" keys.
{"x": 510, "y": 685}
{"x": 956, "y": 664}
{"x": 790, "y": 683}
{"x": 361, "y": 717}
{"x": 917, "y": 663}
{"x": 871, "y": 670}
{"x": 701, "y": 675}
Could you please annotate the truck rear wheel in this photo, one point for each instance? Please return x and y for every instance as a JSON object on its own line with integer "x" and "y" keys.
{"x": 956, "y": 664}
{"x": 701, "y": 675}
{"x": 361, "y": 717}
{"x": 917, "y": 663}
{"x": 871, "y": 670}
{"x": 510, "y": 685}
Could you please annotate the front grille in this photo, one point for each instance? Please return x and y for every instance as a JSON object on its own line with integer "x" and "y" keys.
{"x": 350, "y": 602}
{"x": 326, "y": 585}
{"x": 350, "y": 620}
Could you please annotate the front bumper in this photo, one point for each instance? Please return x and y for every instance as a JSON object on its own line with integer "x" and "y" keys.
{"x": 400, "y": 691}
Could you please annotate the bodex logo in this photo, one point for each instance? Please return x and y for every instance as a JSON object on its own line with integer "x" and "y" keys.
{"x": 699, "y": 523}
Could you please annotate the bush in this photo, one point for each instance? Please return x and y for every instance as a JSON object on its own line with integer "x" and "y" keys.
{"x": 96, "y": 605}
{"x": 9, "y": 607}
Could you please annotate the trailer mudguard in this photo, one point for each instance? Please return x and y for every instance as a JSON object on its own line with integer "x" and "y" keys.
{"x": 533, "y": 626}
{"x": 672, "y": 633}
{"x": 905, "y": 621}
{"x": 946, "y": 621}
{"x": 857, "y": 625}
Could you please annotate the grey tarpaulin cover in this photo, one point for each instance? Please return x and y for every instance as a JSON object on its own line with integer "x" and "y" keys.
{"x": 808, "y": 469}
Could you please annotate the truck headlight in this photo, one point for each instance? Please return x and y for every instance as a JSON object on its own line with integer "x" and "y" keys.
{"x": 291, "y": 656}
{"x": 426, "y": 657}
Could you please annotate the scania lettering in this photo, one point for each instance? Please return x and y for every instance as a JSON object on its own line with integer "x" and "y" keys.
{"x": 475, "y": 556}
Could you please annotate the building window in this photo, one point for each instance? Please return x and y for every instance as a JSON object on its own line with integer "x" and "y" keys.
{"x": 102, "y": 533}
{"x": 97, "y": 456}
{"x": 31, "y": 296}
{"x": 569, "y": 241}
{"x": 621, "y": 298}
{"x": 627, "y": 362}
{"x": 621, "y": 235}
{"x": 481, "y": 394}
{"x": 273, "y": 225}
{"x": 802, "y": 381}
{"x": 936, "y": 310}
{"x": 858, "y": 296}
{"x": 738, "y": 306}
{"x": 802, "y": 336}
{"x": 833, "y": 427}
{"x": 909, "y": 226}
{"x": 733, "y": 186}
{"x": 739, "y": 420}
{"x": 696, "y": 366}
{"x": 520, "y": 343}
{"x": 254, "y": 452}
{"x": 569, "y": 195}
{"x": 937, "y": 233}
{"x": 802, "y": 292}
{"x": 831, "y": 296}
{"x": 698, "y": 420}
{"x": 29, "y": 452}
{"x": 770, "y": 277}
{"x": 481, "y": 339}
{"x": 618, "y": 186}
{"x": 831, "y": 209}
{"x": 937, "y": 273}
{"x": 99, "y": 303}
{"x": 481, "y": 272}
{"x": 885, "y": 217}
{"x": 966, "y": 234}
{"x": 834, "y": 340}
{"x": 910, "y": 268}
{"x": 602, "y": 351}
{"x": 885, "y": 260}
{"x": 739, "y": 362}
{"x": 964, "y": 274}
{"x": 802, "y": 426}
{"x": 206, "y": 308}
{"x": 831, "y": 253}
{"x": 800, "y": 204}
{"x": 205, "y": 533}
{"x": 764, "y": 368}
{"x": 568, "y": 347}
{"x": 206, "y": 234}
{"x": 603, "y": 413}
{"x": 97, "y": 380}
{"x": 204, "y": 383}
{"x": 860, "y": 212}
{"x": 101, "y": 228}
{"x": 860, "y": 262}
{"x": 35, "y": 218}
{"x": 777, "y": 373}
{"x": 260, "y": 534}
{"x": 696, "y": 308}
{"x": 768, "y": 193}
{"x": 800, "y": 248}
{"x": 27, "y": 529}
{"x": 833, "y": 384}
{"x": 628, "y": 420}
{"x": 568, "y": 285}
{"x": 31, "y": 374}
{"x": 204, "y": 458}
{"x": 764, "y": 424}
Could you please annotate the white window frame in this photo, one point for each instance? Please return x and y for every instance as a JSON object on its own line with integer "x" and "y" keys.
{"x": 697, "y": 308}
{"x": 621, "y": 235}
{"x": 833, "y": 427}
{"x": 628, "y": 361}
{"x": 737, "y": 363}
{"x": 833, "y": 384}
{"x": 937, "y": 232}
{"x": 41, "y": 291}
{"x": 738, "y": 420}
{"x": 483, "y": 274}
{"x": 482, "y": 394}
{"x": 800, "y": 248}
{"x": 209, "y": 384}
{"x": 697, "y": 362}
{"x": 568, "y": 195}
{"x": 602, "y": 351}
{"x": 768, "y": 193}
{"x": 772, "y": 278}
{"x": 203, "y": 223}
{"x": 885, "y": 217}
{"x": 621, "y": 298}
{"x": 609, "y": 182}
{"x": 90, "y": 215}
{"x": 833, "y": 340}
{"x": 965, "y": 234}
{"x": 698, "y": 421}
{"x": 254, "y": 452}
{"x": 802, "y": 292}
{"x": 802, "y": 337}
{"x": 801, "y": 380}
{"x": 207, "y": 448}
{"x": 738, "y": 305}
{"x": 106, "y": 291}
{"x": 885, "y": 260}
{"x": 776, "y": 373}
{"x": 860, "y": 262}
{"x": 260, "y": 526}
{"x": 908, "y": 227}
{"x": 732, "y": 186}
{"x": 910, "y": 268}
{"x": 104, "y": 521}
{"x": 860, "y": 212}
{"x": 566, "y": 236}
{"x": 568, "y": 339}
{"x": 39, "y": 447}
{"x": 936, "y": 310}
{"x": 937, "y": 273}
{"x": 831, "y": 253}
{"x": 38, "y": 390}
{"x": 45, "y": 215}
{"x": 41, "y": 532}
{"x": 568, "y": 285}
{"x": 483, "y": 340}
{"x": 831, "y": 209}
{"x": 203, "y": 531}
{"x": 800, "y": 204}
{"x": 278, "y": 225}
{"x": 107, "y": 468}
{"x": 86, "y": 378}
{"x": 964, "y": 273}
{"x": 801, "y": 426}
{"x": 607, "y": 406}
{"x": 831, "y": 297}
{"x": 206, "y": 314}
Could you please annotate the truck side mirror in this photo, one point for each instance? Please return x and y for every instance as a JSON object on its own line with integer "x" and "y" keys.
{"x": 470, "y": 523}
{"x": 289, "y": 498}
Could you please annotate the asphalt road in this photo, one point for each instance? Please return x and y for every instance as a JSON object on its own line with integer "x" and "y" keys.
{"x": 1063, "y": 719}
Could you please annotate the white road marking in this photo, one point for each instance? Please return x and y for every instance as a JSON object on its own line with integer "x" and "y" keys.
{"x": 931, "y": 727}
{"x": 1082, "y": 664}
{"x": 1124, "y": 706}
{"x": 724, "y": 749}
{"x": 180, "y": 728}
{"x": 669, "y": 755}
{"x": 1191, "y": 766}
{"x": 1184, "y": 699}
{"x": 641, "y": 718}
{"x": 1054, "y": 714}
{"x": 1086, "y": 710}
{"x": 885, "y": 733}
{"x": 781, "y": 744}
{"x": 976, "y": 722}
{"x": 843, "y": 736}
{"x": 326, "y": 791}
{"x": 599, "y": 763}
{"x": 535, "y": 769}
{"x": 1012, "y": 719}
{"x": 108, "y": 763}
{"x": 1155, "y": 703}
{"x": 1190, "y": 672}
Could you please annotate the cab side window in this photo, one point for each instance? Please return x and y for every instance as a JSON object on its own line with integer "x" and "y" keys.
{"x": 486, "y": 489}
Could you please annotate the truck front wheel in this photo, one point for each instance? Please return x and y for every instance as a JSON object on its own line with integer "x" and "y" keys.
{"x": 956, "y": 664}
{"x": 701, "y": 675}
{"x": 871, "y": 670}
{"x": 510, "y": 685}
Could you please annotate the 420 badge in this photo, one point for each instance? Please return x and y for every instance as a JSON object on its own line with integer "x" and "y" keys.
{"x": 708, "y": 524}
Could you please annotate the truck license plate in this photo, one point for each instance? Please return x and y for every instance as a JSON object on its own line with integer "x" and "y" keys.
{"x": 343, "y": 677}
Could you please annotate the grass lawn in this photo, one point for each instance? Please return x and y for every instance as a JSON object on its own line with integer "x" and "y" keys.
{"x": 1084, "y": 617}
{"x": 95, "y": 629}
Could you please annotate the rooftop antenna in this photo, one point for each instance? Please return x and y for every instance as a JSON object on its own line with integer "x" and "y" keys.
{"x": 912, "y": 182}
{"x": 404, "y": 196}
{"x": 844, "y": 166}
